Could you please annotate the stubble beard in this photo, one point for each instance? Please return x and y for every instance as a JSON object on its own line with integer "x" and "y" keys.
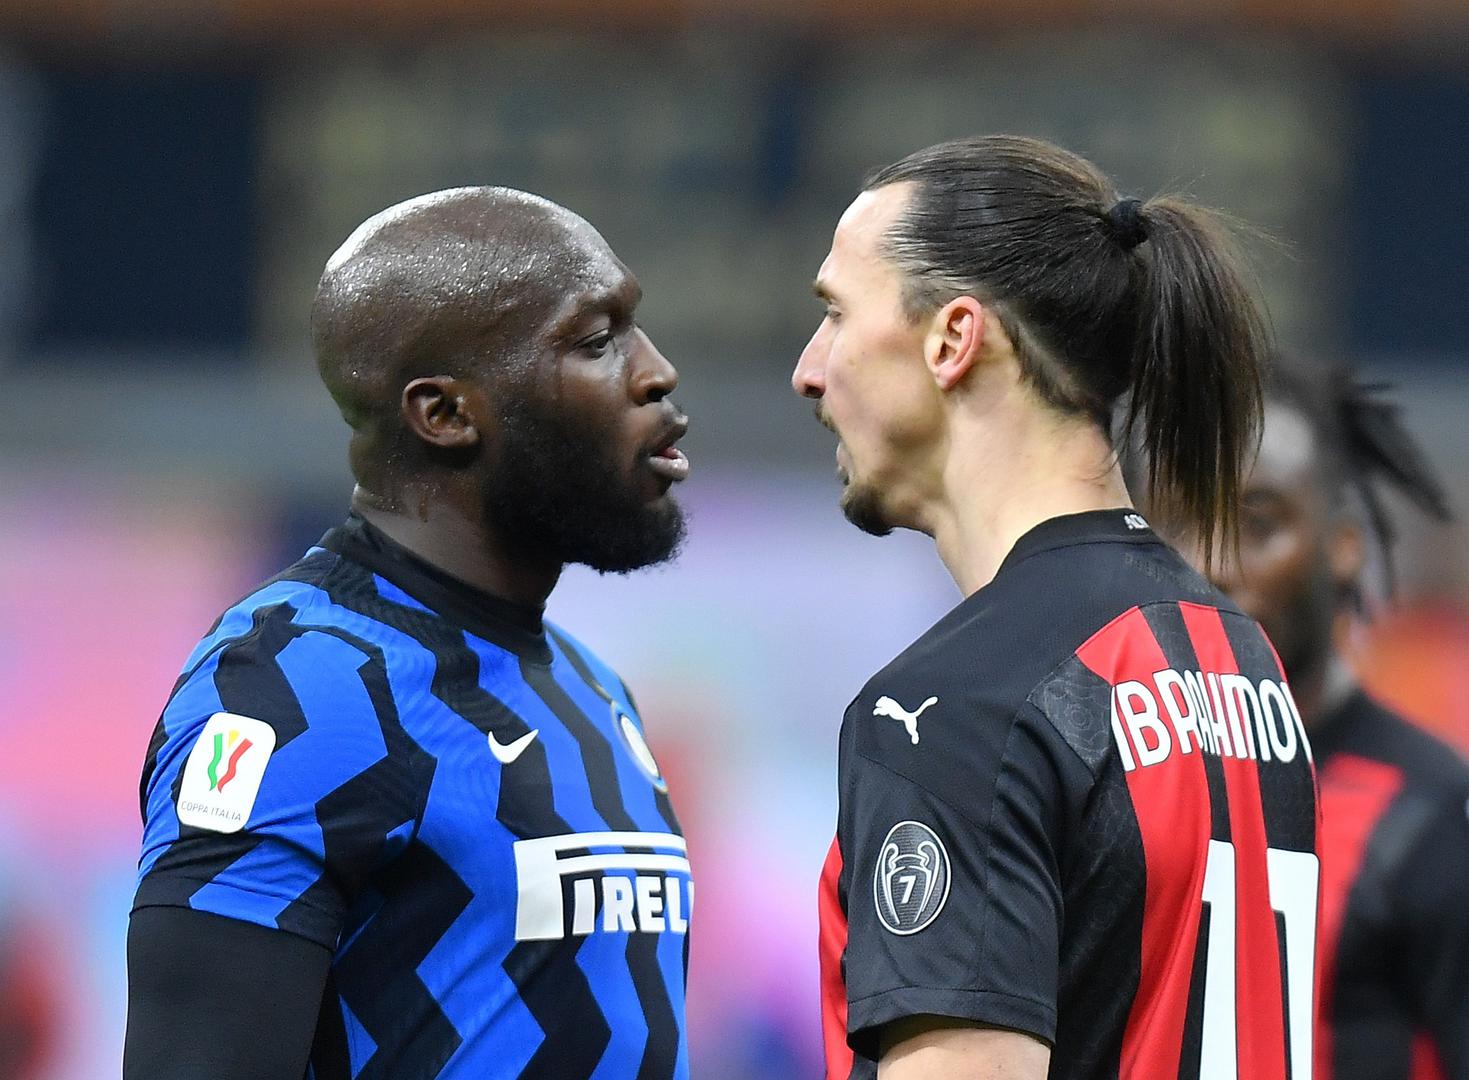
{"x": 861, "y": 507}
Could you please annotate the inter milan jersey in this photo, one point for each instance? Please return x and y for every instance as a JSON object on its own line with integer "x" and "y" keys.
{"x": 1081, "y": 806}
{"x": 456, "y": 802}
{"x": 1395, "y": 899}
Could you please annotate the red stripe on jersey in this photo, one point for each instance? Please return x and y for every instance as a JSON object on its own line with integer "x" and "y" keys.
{"x": 1171, "y": 802}
{"x": 833, "y": 942}
{"x": 1426, "y": 1064}
{"x": 1259, "y": 996}
{"x": 1355, "y": 793}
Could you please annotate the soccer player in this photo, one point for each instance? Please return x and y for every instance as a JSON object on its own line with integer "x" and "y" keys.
{"x": 1394, "y": 800}
{"x": 1077, "y": 821}
{"x": 396, "y": 824}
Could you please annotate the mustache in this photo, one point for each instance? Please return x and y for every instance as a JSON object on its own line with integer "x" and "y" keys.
{"x": 674, "y": 427}
{"x": 823, "y": 419}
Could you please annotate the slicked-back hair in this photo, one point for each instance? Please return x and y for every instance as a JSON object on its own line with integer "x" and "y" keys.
{"x": 1361, "y": 442}
{"x": 1102, "y": 299}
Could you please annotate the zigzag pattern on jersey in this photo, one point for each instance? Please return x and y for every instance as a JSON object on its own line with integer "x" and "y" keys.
{"x": 551, "y": 982}
{"x": 243, "y": 647}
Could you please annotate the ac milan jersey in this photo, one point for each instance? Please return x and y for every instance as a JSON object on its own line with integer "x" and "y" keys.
{"x": 1394, "y": 899}
{"x": 1081, "y": 806}
{"x": 454, "y": 800}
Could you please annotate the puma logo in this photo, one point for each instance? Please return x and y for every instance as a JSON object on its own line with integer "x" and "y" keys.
{"x": 886, "y": 706}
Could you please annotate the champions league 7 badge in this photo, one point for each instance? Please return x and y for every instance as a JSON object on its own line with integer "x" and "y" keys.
{"x": 912, "y": 878}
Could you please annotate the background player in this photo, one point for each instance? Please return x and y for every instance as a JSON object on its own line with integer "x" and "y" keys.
{"x": 396, "y": 825}
{"x": 1087, "y": 850}
{"x": 1394, "y": 800}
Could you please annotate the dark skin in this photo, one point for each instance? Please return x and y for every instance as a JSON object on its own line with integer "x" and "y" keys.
{"x": 557, "y": 323}
{"x": 440, "y": 326}
{"x": 1301, "y": 554}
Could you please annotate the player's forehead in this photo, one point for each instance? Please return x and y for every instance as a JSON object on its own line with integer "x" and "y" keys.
{"x": 580, "y": 271}
{"x": 857, "y": 256}
{"x": 1288, "y": 455}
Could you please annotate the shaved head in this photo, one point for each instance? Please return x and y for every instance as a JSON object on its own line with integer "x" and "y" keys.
{"x": 450, "y": 283}
{"x": 483, "y": 345}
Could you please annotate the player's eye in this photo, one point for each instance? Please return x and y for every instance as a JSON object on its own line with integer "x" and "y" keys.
{"x": 597, "y": 344}
{"x": 1258, "y": 523}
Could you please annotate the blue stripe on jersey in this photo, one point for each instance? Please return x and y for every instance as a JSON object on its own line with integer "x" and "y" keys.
{"x": 388, "y": 591}
{"x": 196, "y": 700}
{"x": 236, "y": 622}
{"x": 479, "y": 996}
{"x": 637, "y": 795}
{"x": 221, "y": 898}
{"x": 603, "y": 957}
{"x": 671, "y": 952}
{"x": 360, "y": 1045}
{"x": 572, "y": 797}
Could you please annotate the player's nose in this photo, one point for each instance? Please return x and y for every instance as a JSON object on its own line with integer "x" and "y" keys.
{"x": 809, "y": 378}
{"x": 654, "y": 377}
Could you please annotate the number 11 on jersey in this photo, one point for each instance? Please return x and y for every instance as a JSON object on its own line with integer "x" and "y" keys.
{"x": 1294, "y": 882}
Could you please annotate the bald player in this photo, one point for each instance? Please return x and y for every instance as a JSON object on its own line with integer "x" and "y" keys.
{"x": 396, "y": 824}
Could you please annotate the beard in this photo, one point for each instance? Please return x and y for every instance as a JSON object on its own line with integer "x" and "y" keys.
{"x": 556, "y": 491}
{"x": 859, "y": 504}
{"x": 1303, "y": 632}
{"x": 861, "y": 507}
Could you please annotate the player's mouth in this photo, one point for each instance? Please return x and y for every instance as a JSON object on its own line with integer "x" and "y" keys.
{"x": 666, "y": 459}
{"x": 843, "y": 459}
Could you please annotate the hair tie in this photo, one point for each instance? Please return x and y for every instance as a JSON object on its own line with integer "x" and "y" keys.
{"x": 1125, "y": 220}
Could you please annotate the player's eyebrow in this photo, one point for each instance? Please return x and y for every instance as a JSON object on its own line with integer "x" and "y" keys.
{"x": 619, "y": 303}
{"x": 822, "y": 291}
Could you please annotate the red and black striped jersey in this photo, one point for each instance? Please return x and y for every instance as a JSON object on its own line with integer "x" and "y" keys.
{"x": 1081, "y": 806}
{"x": 1394, "y": 899}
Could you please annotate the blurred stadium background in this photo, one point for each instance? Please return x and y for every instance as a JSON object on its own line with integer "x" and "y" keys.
{"x": 173, "y": 173}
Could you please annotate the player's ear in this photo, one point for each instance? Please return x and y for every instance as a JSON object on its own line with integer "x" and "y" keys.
{"x": 441, "y": 410}
{"x": 955, "y": 339}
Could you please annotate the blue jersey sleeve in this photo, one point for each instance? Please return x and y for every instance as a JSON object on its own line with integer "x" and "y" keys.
{"x": 273, "y": 792}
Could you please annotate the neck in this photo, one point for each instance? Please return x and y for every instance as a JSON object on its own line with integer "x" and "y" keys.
{"x": 1006, "y": 474}
{"x": 459, "y": 544}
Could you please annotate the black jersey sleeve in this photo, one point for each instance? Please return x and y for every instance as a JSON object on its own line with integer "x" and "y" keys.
{"x": 951, "y": 846}
{"x": 214, "y": 998}
{"x": 1433, "y": 888}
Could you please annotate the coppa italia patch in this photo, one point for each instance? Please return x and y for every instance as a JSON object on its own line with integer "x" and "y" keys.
{"x": 222, "y": 776}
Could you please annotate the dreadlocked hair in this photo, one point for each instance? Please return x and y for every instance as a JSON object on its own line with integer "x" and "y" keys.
{"x": 1363, "y": 442}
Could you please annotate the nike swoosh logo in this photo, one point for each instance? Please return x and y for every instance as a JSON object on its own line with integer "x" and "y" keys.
{"x": 505, "y": 753}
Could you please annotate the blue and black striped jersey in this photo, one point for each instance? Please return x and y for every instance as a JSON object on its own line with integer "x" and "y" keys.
{"x": 455, "y": 800}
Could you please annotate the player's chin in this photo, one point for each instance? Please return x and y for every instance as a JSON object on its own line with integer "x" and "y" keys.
{"x": 636, "y": 538}
{"x": 863, "y": 508}
{"x": 656, "y": 477}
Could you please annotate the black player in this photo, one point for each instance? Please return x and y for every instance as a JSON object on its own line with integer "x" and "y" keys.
{"x": 396, "y": 825}
{"x": 1078, "y": 821}
{"x": 1394, "y": 800}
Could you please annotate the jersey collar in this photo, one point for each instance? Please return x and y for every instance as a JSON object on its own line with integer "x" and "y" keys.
{"x": 501, "y": 622}
{"x": 1120, "y": 525}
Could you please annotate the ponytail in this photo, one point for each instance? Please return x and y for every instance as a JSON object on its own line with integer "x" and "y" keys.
{"x": 1103, "y": 299}
{"x": 1197, "y": 364}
